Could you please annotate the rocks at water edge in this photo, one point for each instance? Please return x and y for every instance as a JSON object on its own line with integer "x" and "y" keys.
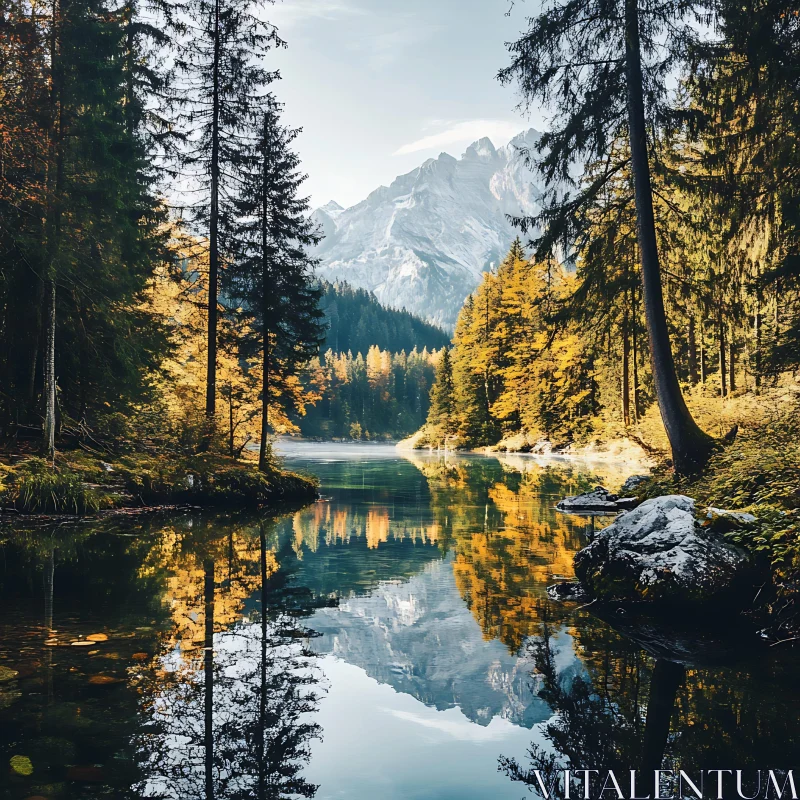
{"x": 660, "y": 554}
{"x": 598, "y": 501}
{"x": 632, "y": 484}
{"x": 568, "y": 591}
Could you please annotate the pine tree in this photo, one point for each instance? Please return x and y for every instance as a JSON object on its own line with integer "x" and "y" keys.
{"x": 226, "y": 87}
{"x": 442, "y": 409}
{"x": 90, "y": 232}
{"x": 603, "y": 65}
{"x": 271, "y": 277}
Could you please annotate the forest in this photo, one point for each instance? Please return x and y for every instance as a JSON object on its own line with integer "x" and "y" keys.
{"x": 377, "y": 395}
{"x": 655, "y": 295}
{"x": 355, "y": 321}
{"x": 157, "y": 280}
{"x": 157, "y": 270}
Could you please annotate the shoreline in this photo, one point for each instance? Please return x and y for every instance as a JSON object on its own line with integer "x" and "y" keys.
{"x": 80, "y": 485}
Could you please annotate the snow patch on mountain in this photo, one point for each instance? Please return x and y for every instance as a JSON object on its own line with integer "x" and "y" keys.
{"x": 424, "y": 242}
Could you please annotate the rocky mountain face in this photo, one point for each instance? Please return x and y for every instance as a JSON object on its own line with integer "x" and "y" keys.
{"x": 423, "y": 242}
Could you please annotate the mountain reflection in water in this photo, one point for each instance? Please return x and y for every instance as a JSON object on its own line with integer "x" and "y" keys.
{"x": 393, "y": 640}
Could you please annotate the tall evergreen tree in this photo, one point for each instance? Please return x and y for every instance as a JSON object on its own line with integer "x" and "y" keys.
{"x": 603, "y": 66}
{"x": 226, "y": 86}
{"x": 442, "y": 414}
{"x": 271, "y": 276}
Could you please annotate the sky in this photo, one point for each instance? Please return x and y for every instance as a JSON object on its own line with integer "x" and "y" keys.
{"x": 378, "y": 86}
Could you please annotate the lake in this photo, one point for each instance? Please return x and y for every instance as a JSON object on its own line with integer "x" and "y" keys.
{"x": 393, "y": 640}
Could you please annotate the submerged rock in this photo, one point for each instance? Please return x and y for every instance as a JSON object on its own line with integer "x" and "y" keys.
{"x": 570, "y": 591}
{"x": 660, "y": 554}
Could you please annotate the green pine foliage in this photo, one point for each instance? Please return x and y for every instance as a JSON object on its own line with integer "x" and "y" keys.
{"x": 77, "y": 163}
{"x": 356, "y": 321}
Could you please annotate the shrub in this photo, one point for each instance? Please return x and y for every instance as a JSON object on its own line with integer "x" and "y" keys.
{"x": 38, "y": 488}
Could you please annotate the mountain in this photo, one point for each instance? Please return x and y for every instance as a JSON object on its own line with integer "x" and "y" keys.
{"x": 423, "y": 242}
{"x": 356, "y": 321}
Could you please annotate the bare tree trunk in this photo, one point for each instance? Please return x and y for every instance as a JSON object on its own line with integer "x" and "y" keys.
{"x": 50, "y": 372}
{"x": 732, "y": 360}
{"x": 34, "y": 345}
{"x": 691, "y": 447}
{"x": 263, "y": 454}
{"x": 213, "y": 238}
{"x": 230, "y": 420}
{"x": 667, "y": 678}
{"x": 56, "y": 180}
{"x": 757, "y": 324}
{"x": 262, "y": 700}
{"x": 635, "y": 354}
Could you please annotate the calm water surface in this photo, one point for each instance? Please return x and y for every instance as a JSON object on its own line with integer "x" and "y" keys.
{"x": 393, "y": 640}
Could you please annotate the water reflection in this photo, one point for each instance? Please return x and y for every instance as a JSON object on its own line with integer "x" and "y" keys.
{"x": 392, "y": 640}
{"x": 236, "y": 723}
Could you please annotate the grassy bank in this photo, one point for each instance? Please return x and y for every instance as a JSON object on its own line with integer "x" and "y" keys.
{"x": 760, "y": 473}
{"x": 82, "y": 483}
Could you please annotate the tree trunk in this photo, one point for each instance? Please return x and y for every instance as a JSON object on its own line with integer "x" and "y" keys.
{"x": 692, "y": 350}
{"x": 635, "y": 355}
{"x": 213, "y": 238}
{"x": 703, "y": 362}
{"x": 208, "y": 677}
{"x": 50, "y": 372}
{"x": 263, "y": 453}
{"x": 34, "y": 346}
{"x": 723, "y": 363}
{"x": 757, "y": 335}
{"x": 56, "y": 188}
{"x": 262, "y": 699}
{"x": 667, "y": 679}
{"x": 691, "y": 447}
{"x": 230, "y": 420}
{"x": 266, "y": 287}
{"x": 732, "y": 361}
{"x": 626, "y": 383}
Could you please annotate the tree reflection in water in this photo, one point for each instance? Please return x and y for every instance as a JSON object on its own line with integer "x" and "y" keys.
{"x": 238, "y": 723}
{"x": 598, "y": 724}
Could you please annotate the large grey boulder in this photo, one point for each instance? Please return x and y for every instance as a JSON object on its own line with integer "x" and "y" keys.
{"x": 660, "y": 554}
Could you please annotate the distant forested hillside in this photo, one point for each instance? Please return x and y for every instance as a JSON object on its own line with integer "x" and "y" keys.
{"x": 357, "y": 321}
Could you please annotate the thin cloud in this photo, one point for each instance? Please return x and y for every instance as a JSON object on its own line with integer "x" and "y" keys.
{"x": 498, "y": 131}
{"x": 290, "y": 12}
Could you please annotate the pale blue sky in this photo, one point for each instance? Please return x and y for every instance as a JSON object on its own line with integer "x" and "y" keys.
{"x": 380, "y": 85}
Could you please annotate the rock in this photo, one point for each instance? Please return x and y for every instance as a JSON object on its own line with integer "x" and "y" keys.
{"x": 632, "y": 484}
{"x": 722, "y": 520}
{"x": 659, "y": 554}
{"x": 596, "y": 501}
{"x": 567, "y": 592}
{"x": 106, "y": 467}
{"x": 627, "y": 503}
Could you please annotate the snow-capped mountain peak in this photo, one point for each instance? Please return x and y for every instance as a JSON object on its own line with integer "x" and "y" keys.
{"x": 423, "y": 242}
